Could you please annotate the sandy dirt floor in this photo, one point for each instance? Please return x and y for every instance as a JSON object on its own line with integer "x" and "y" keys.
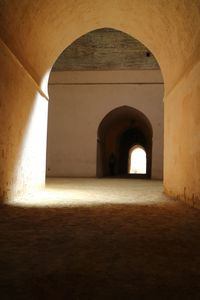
{"x": 99, "y": 239}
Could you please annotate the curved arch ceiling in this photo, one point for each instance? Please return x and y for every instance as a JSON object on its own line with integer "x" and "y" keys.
{"x": 105, "y": 49}
{"x": 44, "y": 29}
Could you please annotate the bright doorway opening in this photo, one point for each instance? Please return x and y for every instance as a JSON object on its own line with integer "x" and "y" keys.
{"x": 137, "y": 162}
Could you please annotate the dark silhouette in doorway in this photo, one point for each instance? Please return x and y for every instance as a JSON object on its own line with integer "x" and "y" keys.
{"x": 112, "y": 164}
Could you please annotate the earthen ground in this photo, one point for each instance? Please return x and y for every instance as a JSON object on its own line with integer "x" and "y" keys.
{"x": 99, "y": 239}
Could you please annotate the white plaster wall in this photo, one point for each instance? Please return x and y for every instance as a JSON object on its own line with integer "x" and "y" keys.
{"x": 78, "y": 103}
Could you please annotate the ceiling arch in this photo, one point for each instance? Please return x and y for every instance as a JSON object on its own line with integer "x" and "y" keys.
{"x": 44, "y": 29}
{"x": 105, "y": 49}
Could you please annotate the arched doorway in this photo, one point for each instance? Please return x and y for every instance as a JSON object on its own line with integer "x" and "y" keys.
{"x": 137, "y": 160}
{"x": 119, "y": 131}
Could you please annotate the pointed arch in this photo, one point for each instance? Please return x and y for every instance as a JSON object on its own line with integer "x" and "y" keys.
{"x": 121, "y": 129}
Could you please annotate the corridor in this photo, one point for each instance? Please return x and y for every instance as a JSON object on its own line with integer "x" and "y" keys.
{"x": 99, "y": 239}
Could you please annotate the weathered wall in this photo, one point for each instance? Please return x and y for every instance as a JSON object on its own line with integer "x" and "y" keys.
{"x": 78, "y": 103}
{"x": 182, "y": 138}
{"x": 36, "y": 32}
{"x": 23, "y": 119}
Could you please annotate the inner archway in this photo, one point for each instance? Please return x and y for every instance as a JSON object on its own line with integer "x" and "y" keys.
{"x": 119, "y": 131}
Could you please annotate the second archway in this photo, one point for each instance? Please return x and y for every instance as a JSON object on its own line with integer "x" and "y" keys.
{"x": 123, "y": 131}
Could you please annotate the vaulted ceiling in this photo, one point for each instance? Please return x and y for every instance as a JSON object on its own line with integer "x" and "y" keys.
{"x": 106, "y": 49}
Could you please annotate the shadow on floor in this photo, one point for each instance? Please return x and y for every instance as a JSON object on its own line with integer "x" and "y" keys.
{"x": 101, "y": 252}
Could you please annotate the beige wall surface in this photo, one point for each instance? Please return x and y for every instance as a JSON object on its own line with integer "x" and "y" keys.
{"x": 182, "y": 139}
{"x": 78, "y": 103}
{"x": 22, "y": 140}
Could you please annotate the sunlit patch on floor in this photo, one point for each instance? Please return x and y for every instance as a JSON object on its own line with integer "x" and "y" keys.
{"x": 94, "y": 192}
